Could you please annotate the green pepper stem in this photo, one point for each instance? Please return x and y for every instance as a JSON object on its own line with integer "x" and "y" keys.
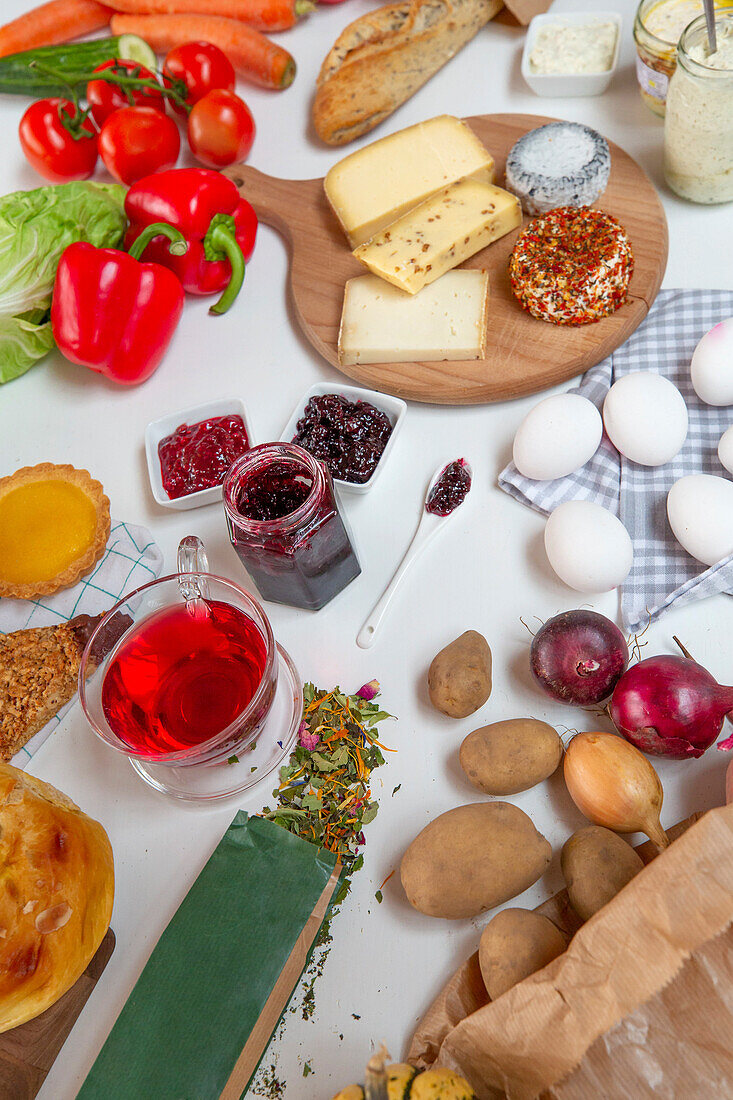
{"x": 178, "y": 244}
{"x": 221, "y": 237}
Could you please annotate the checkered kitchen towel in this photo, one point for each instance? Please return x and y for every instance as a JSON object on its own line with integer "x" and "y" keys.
{"x": 131, "y": 559}
{"x": 662, "y": 572}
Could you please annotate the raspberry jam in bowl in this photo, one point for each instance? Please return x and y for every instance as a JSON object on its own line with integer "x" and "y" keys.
{"x": 285, "y": 525}
{"x": 195, "y": 680}
{"x": 197, "y": 456}
{"x": 189, "y": 452}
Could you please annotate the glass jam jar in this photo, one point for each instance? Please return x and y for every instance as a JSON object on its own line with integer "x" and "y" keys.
{"x": 698, "y": 131}
{"x": 285, "y": 525}
{"x": 657, "y": 29}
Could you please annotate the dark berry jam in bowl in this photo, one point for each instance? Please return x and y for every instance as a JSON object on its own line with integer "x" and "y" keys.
{"x": 349, "y": 436}
{"x": 285, "y": 525}
{"x": 450, "y": 489}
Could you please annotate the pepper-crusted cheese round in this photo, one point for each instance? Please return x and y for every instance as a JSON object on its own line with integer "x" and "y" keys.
{"x": 572, "y": 266}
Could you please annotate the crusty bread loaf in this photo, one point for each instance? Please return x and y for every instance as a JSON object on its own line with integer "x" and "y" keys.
{"x": 56, "y": 900}
{"x": 381, "y": 59}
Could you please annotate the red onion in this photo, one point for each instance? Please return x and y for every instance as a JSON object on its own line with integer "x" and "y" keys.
{"x": 578, "y": 657}
{"x": 671, "y": 706}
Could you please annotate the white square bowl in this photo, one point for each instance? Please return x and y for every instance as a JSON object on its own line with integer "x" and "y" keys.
{"x": 569, "y": 84}
{"x": 394, "y": 408}
{"x": 166, "y": 425}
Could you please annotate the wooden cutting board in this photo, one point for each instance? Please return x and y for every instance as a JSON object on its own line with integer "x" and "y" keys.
{"x": 28, "y": 1052}
{"x": 525, "y": 354}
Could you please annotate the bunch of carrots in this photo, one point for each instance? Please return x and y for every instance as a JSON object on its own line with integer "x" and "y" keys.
{"x": 165, "y": 24}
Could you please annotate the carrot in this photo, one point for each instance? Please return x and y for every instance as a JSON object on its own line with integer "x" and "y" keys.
{"x": 265, "y": 15}
{"x": 49, "y": 24}
{"x": 253, "y": 55}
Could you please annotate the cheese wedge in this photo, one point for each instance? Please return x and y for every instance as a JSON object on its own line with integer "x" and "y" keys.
{"x": 380, "y": 324}
{"x": 375, "y": 185}
{"x": 441, "y": 233}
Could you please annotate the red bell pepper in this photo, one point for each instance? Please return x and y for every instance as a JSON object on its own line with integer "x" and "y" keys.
{"x": 112, "y": 313}
{"x": 218, "y": 224}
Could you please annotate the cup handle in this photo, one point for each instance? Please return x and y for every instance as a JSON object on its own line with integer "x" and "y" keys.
{"x": 193, "y": 565}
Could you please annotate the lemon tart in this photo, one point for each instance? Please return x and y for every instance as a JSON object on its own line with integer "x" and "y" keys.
{"x": 54, "y": 526}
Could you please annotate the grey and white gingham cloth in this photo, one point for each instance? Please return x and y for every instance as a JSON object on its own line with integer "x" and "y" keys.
{"x": 662, "y": 572}
{"x": 132, "y": 558}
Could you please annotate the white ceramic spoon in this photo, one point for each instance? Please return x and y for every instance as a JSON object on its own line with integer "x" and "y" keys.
{"x": 428, "y": 527}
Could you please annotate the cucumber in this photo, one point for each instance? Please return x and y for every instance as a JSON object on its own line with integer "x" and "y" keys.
{"x": 74, "y": 61}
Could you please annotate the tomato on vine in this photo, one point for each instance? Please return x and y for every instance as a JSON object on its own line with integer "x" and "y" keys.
{"x": 58, "y": 140}
{"x": 137, "y": 141}
{"x": 200, "y": 67}
{"x": 221, "y": 129}
{"x": 105, "y": 96}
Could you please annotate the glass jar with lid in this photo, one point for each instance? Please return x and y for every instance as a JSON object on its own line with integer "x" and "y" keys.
{"x": 285, "y": 525}
{"x": 658, "y": 27}
{"x": 698, "y": 131}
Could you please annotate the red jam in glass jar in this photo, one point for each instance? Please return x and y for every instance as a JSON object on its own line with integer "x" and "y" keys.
{"x": 285, "y": 525}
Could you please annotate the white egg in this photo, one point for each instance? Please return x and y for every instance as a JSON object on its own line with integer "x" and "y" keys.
{"x": 646, "y": 418}
{"x": 587, "y": 546}
{"x": 557, "y": 437}
{"x": 712, "y": 365}
{"x": 700, "y": 513}
{"x": 725, "y": 449}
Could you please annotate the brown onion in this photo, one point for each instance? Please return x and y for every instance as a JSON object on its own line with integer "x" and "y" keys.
{"x": 614, "y": 785}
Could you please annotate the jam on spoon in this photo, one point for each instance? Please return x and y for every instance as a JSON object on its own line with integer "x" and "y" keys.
{"x": 450, "y": 489}
{"x": 197, "y": 456}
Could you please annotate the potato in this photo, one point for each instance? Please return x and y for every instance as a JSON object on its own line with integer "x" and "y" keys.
{"x": 597, "y": 864}
{"x": 473, "y": 858}
{"x": 514, "y": 944}
{"x": 507, "y": 757}
{"x": 459, "y": 679}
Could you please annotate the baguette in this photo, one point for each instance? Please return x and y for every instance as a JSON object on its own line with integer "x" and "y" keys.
{"x": 381, "y": 59}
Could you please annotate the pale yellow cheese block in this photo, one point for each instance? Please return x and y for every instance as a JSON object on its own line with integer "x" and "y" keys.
{"x": 447, "y": 320}
{"x": 440, "y": 233}
{"x": 377, "y": 184}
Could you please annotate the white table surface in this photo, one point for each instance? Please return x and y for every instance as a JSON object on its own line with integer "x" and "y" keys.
{"x": 489, "y": 569}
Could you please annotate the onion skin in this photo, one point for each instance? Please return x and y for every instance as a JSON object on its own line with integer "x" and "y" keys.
{"x": 670, "y": 706}
{"x": 578, "y": 657}
{"x": 614, "y": 785}
{"x": 729, "y": 784}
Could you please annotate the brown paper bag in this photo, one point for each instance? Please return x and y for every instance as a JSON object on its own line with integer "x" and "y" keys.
{"x": 641, "y": 1003}
{"x": 525, "y": 10}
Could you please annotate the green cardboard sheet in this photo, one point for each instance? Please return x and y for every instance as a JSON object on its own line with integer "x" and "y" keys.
{"x": 222, "y": 972}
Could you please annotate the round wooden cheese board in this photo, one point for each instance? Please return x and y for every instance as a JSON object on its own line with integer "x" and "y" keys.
{"x": 524, "y": 354}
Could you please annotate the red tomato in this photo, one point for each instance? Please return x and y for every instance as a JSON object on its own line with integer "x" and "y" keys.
{"x": 202, "y": 67}
{"x": 56, "y": 143}
{"x": 220, "y": 129}
{"x": 136, "y": 141}
{"x": 104, "y": 98}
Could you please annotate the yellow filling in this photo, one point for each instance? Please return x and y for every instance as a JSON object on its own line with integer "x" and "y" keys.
{"x": 44, "y": 527}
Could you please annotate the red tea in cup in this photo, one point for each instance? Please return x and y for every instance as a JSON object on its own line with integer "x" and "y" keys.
{"x": 182, "y": 676}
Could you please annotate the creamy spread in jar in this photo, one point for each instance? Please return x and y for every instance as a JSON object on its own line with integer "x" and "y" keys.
{"x": 668, "y": 19}
{"x": 698, "y": 134}
{"x": 573, "y": 48}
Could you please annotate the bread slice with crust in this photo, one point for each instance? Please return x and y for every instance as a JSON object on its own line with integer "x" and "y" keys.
{"x": 382, "y": 58}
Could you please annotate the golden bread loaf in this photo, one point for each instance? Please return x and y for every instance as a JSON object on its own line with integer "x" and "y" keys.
{"x": 382, "y": 58}
{"x": 56, "y": 893}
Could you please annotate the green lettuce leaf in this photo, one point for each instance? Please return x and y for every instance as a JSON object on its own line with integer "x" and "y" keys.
{"x": 35, "y": 228}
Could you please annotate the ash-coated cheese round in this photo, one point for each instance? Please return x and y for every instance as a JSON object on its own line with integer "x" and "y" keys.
{"x": 560, "y": 164}
{"x": 558, "y": 436}
{"x": 572, "y": 266}
{"x": 646, "y": 418}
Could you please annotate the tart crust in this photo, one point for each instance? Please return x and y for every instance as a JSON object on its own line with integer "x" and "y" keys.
{"x": 92, "y": 552}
